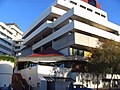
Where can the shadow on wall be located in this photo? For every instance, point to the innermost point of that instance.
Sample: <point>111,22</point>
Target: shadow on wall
<point>6,72</point>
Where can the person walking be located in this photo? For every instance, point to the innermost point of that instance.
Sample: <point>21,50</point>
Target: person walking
<point>10,87</point>
<point>5,87</point>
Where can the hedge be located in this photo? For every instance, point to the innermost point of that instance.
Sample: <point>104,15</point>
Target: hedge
<point>8,58</point>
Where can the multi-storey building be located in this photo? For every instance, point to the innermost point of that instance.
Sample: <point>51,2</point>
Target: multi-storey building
<point>10,43</point>
<point>9,35</point>
<point>70,27</point>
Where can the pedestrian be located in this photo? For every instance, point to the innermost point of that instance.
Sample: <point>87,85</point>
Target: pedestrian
<point>5,87</point>
<point>10,87</point>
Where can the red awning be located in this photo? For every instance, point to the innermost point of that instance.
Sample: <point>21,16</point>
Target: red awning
<point>47,52</point>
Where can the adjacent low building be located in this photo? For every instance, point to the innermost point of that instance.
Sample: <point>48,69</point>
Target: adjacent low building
<point>10,39</point>
<point>53,71</point>
<point>10,44</point>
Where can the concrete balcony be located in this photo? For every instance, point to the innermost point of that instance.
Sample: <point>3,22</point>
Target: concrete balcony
<point>54,35</point>
<point>87,17</point>
<point>77,26</point>
<point>46,26</point>
<point>6,39</point>
<point>5,32</point>
<point>50,12</point>
<point>5,51</point>
<point>6,27</point>
<point>5,45</point>
<point>75,39</point>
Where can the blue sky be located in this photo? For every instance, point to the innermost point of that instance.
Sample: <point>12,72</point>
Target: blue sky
<point>24,12</point>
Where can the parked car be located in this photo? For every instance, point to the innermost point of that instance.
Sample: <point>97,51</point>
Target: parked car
<point>80,87</point>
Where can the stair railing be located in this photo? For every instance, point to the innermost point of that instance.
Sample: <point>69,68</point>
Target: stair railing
<point>20,82</point>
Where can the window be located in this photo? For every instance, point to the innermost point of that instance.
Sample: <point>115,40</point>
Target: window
<point>71,52</point>
<point>97,13</point>
<point>76,52</point>
<point>2,27</point>
<point>103,15</point>
<point>10,32</point>
<point>17,42</point>
<point>1,33</point>
<point>17,47</point>
<point>89,9</point>
<point>73,2</point>
<point>82,6</point>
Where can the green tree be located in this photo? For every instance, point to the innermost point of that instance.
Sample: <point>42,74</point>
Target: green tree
<point>106,57</point>
<point>8,58</point>
<point>97,64</point>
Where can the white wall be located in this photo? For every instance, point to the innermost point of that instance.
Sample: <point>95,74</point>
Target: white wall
<point>6,72</point>
<point>85,40</point>
<point>54,71</point>
<point>36,78</point>
<point>45,70</point>
<point>30,72</point>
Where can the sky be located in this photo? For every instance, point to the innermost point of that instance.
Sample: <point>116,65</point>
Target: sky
<point>24,12</point>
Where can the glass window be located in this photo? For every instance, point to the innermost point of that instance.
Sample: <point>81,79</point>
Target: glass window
<point>71,51</point>
<point>81,53</point>
<point>89,9</point>
<point>17,47</point>
<point>76,52</point>
<point>73,2</point>
<point>82,6</point>
<point>3,28</point>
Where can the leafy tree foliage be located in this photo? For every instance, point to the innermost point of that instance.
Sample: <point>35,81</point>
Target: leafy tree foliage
<point>106,56</point>
<point>8,58</point>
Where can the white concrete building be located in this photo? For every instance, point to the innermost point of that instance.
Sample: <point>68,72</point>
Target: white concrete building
<point>69,26</point>
<point>9,34</point>
<point>10,44</point>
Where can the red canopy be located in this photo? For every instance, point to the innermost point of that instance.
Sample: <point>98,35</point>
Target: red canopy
<point>47,52</point>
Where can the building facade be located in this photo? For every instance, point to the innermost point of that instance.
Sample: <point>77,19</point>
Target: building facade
<point>10,38</point>
<point>70,27</point>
